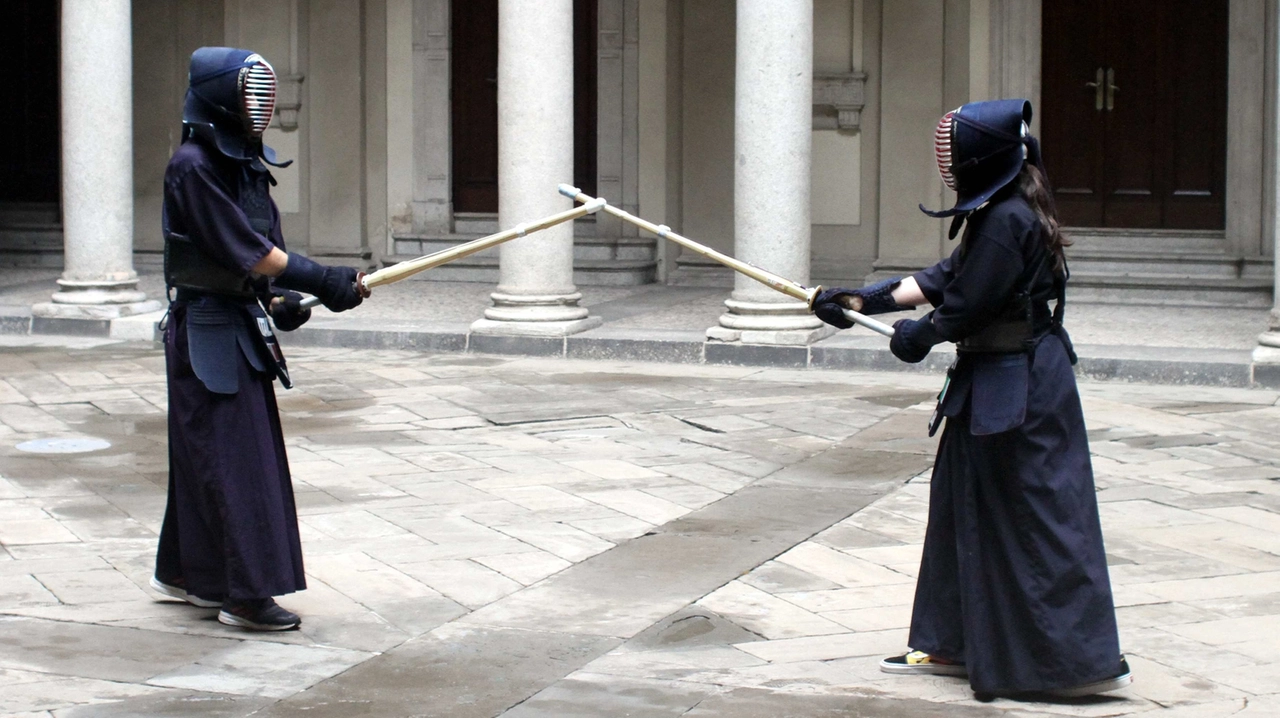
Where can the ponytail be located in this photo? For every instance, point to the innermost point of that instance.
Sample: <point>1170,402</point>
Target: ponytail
<point>1034,189</point>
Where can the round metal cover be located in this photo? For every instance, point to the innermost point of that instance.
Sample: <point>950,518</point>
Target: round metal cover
<point>63,446</point>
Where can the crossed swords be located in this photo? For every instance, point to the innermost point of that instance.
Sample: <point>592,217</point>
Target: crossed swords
<point>591,205</point>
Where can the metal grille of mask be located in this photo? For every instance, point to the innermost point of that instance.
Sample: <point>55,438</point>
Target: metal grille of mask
<point>258,86</point>
<point>942,147</point>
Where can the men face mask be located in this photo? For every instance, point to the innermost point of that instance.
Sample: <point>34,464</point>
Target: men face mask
<point>942,137</point>
<point>258,94</point>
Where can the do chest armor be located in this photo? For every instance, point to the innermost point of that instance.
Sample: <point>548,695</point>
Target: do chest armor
<point>187,267</point>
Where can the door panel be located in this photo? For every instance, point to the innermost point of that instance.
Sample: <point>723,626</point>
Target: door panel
<point>1070,112</point>
<point>1197,119</point>
<point>1154,155</point>
<point>30,152</point>
<point>1133,30</point>
<point>474,105</point>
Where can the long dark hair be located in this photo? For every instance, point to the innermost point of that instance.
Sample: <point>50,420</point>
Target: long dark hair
<point>1034,188</point>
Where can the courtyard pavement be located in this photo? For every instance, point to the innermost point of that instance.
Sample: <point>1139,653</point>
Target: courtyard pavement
<point>1205,345</point>
<point>538,538</point>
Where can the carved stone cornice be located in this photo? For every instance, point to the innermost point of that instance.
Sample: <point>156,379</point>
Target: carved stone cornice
<point>838,99</point>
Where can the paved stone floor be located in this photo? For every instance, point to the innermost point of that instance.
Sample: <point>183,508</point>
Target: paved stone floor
<point>422,304</point>
<point>534,538</point>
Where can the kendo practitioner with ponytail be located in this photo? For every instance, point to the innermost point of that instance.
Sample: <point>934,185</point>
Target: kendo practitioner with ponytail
<point>230,533</point>
<point>1013,588</point>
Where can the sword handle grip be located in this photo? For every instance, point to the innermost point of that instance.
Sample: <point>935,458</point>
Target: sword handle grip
<point>866,321</point>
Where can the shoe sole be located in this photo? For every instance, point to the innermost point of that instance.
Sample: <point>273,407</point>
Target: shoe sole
<point>1093,689</point>
<point>925,669</point>
<point>165,589</point>
<point>231,619</point>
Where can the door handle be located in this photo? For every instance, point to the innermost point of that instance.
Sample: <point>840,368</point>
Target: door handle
<point>1112,89</point>
<point>1098,89</point>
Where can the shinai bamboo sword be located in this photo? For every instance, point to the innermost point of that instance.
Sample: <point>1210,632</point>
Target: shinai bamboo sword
<point>767,278</point>
<point>396,272</point>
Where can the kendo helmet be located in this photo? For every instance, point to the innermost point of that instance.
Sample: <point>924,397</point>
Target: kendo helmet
<point>231,98</point>
<point>980,148</point>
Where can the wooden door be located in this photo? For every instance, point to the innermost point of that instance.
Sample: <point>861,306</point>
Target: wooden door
<point>474,105</point>
<point>1134,111</point>
<point>31,146</point>
<point>474,102</point>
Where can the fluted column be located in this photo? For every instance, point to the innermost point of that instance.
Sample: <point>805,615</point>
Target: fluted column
<point>773,121</point>
<point>98,281</point>
<point>535,293</point>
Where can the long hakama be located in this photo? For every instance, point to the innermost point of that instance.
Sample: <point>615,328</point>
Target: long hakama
<point>1014,577</point>
<point>1013,580</point>
<point>230,526</point>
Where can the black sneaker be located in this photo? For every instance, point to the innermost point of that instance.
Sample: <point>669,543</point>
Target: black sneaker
<point>920,663</point>
<point>174,589</point>
<point>1120,680</point>
<point>258,614</point>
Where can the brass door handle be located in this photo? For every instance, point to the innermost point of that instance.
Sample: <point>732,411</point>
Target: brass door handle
<point>1112,89</point>
<point>1097,90</point>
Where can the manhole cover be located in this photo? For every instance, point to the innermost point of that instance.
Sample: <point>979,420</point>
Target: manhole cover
<point>63,446</point>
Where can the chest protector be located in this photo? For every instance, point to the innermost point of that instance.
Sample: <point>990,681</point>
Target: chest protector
<point>186,266</point>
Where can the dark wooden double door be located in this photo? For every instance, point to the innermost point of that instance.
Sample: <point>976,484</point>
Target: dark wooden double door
<point>1134,111</point>
<point>30,135</point>
<point>474,101</point>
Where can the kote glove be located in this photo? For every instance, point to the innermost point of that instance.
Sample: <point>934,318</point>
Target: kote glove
<point>287,312</point>
<point>913,339</point>
<point>337,287</point>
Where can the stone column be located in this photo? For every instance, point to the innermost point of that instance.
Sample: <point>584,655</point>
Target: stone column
<point>98,281</point>
<point>773,127</point>
<point>536,294</point>
<point>1266,356</point>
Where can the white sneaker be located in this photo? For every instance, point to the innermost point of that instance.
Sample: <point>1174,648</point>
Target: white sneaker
<point>171,591</point>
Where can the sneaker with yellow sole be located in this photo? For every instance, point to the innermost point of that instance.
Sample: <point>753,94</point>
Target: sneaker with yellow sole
<point>922,664</point>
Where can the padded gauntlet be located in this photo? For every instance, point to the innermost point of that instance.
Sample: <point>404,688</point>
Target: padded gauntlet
<point>829,304</point>
<point>288,314</point>
<point>335,286</point>
<point>913,339</point>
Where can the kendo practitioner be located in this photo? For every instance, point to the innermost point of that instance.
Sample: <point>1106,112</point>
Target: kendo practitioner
<point>230,532</point>
<point>1013,588</point>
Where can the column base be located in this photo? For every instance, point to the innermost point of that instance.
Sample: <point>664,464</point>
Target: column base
<point>1268,349</point>
<point>1266,359</point>
<point>534,328</point>
<point>778,323</point>
<point>535,315</point>
<point>96,300</point>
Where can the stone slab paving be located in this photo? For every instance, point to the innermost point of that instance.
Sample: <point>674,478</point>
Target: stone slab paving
<point>498,536</point>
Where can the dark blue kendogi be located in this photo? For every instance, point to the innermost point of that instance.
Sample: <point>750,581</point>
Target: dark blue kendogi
<point>1013,585</point>
<point>230,531</point>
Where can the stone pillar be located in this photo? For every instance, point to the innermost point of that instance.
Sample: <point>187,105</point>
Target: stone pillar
<point>536,294</point>
<point>97,166</point>
<point>1266,356</point>
<point>773,123</point>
